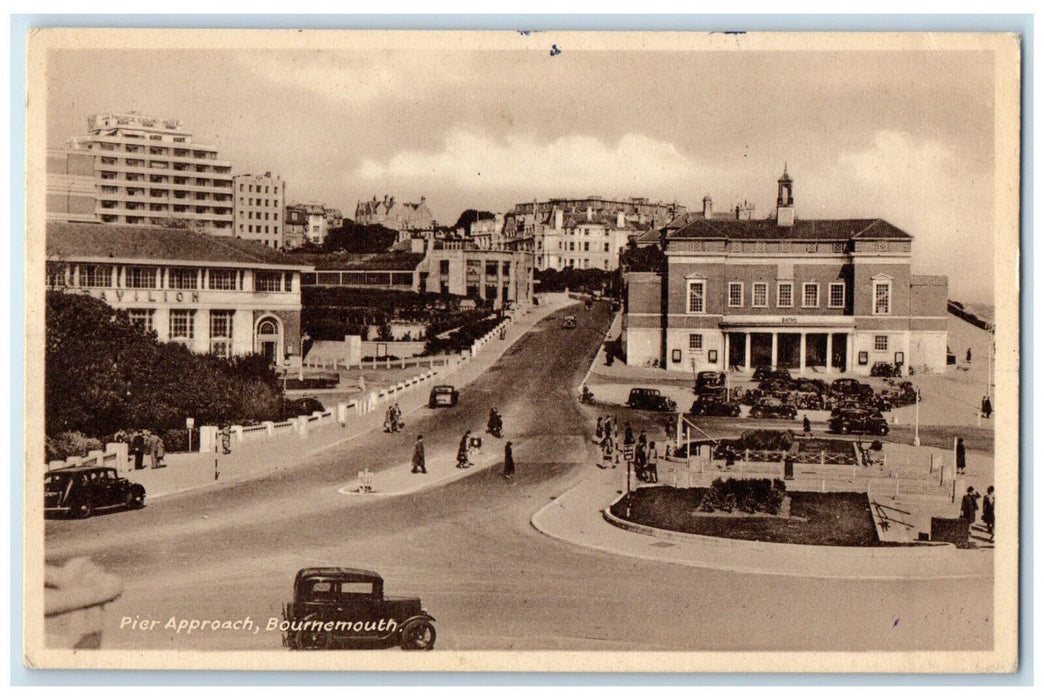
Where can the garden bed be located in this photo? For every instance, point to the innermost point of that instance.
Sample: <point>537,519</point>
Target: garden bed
<point>829,519</point>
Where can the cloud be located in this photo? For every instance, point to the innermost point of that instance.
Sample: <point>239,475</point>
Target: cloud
<point>573,165</point>
<point>896,158</point>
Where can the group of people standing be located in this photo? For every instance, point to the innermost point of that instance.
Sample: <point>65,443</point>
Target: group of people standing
<point>640,452</point>
<point>970,506</point>
<point>393,419</point>
<point>466,448</point>
<point>141,443</point>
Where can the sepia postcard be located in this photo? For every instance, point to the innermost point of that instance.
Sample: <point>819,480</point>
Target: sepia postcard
<point>522,351</point>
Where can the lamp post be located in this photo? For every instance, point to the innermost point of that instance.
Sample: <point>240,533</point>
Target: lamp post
<point>917,418</point>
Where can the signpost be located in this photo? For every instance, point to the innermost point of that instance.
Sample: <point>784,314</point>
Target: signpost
<point>189,424</point>
<point>917,418</point>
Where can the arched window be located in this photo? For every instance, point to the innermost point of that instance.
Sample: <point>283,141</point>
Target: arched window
<point>267,328</point>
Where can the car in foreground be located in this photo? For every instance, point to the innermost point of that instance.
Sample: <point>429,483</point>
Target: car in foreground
<point>650,400</point>
<point>81,491</point>
<point>772,407</point>
<point>443,395</point>
<point>712,405</point>
<point>340,608</point>
<point>859,422</point>
<point>569,322</point>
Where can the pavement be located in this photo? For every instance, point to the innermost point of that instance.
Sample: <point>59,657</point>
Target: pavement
<point>187,471</point>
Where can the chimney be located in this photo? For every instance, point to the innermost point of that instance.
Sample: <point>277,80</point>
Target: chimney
<point>558,219</point>
<point>708,207</point>
<point>619,219</point>
<point>588,212</point>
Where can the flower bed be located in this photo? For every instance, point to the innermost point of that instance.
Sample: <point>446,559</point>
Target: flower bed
<point>811,450</point>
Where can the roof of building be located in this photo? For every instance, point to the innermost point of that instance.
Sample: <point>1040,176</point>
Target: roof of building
<point>89,241</point>
<point>803,229</point>
<point>363,261</point>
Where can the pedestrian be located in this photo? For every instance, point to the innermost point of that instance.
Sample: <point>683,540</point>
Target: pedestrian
<point>806,424</point>
<point>138,449</point>
<point>967,356</point>
<point>961,457</point>
<point>642,439</point>
<point>989,504</point>
<point>155,446</point>
<point>969,505</point>
<point>389,420</point>
<point>628,435</point>
<point>608,425</point>
<point>987,407</point>
<point>509,462</point>
<point>396,418</point>
<point>418,456</point>
<point>640,461</point>
<point>462,451</point>
<point>598,430</point>
<point>652,459</point>
<point>226,440</point>
<point>608,450</point>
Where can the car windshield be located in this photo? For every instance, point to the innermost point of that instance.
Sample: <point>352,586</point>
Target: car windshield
<point>56,480</point>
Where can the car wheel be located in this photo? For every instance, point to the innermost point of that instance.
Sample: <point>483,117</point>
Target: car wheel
<point>313,640</point>
<point>418,635</point>
<point>844,430</point>
<point>883,430</point>
<point>135,499</point>
<point>83,509</point>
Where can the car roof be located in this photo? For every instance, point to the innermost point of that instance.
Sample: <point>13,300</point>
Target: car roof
<point>442,386</point>
<point>339,572</point>
<point>79,469</point>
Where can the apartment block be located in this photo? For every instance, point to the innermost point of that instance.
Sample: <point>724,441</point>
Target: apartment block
<point>260,205</point>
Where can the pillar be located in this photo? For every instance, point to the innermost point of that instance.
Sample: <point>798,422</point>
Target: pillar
<point>746,352</point>
<point>801,355</point>
<point>830,353</point>
<point>725,360</point>
<point>773,360</point>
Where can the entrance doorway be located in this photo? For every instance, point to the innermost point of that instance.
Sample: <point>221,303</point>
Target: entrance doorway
<point>267,339</point>
<point>839,350</point>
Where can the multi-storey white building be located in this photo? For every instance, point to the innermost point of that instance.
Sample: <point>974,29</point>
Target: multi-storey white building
<point>147,172</point>
<point>260,201</point>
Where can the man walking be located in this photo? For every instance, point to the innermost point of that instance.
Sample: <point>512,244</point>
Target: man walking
<point>138,449</point>
<point>961,457</point>
<point>989,504</point>
<point>806,424</point>
<point>969,505</point>
<point>418,456</point>
<point>987,407</point>
<point>509,462</point>
<point>462,451</point>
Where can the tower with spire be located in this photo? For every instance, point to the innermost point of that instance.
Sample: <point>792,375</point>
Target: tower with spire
<point>785,200</point>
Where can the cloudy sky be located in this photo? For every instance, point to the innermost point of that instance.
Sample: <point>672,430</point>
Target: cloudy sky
<point>904,135</point>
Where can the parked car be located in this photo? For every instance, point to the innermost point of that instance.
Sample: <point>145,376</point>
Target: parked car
<point>650,400</point>
<point>80,491</point>
<point>711,405</point>
<point>569,322</point>
<point>886,369</point>
<point>858,421</point>
<point>337,607</point>
<point>709,380</point>
<point>852,387</point>
<point>772,407</point>
<point>443,395</point>
<point>761,372</point>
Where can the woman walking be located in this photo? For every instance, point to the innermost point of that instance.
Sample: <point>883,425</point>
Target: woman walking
<point>509,462</point>
<point>989,503</point>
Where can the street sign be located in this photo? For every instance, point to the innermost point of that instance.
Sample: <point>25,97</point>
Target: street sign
<point>190,423</point>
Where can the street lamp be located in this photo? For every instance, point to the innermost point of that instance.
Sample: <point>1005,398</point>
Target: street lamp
<point>917,418</point>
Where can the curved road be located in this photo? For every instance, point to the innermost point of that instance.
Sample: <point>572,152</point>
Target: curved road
<point>467,548</point>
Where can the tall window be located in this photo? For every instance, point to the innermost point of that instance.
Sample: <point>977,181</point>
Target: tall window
<point>837,295</point>
<point>223,279</point>
<point>760,295</point>
<point>696,292</point>
<point>810,295</point>
<point>735,294</point>
<point>96,276</point>
<point>882,297</point>
<point>221,333</point>
<point>268,282</point>
<point>142,317</point>
<point>183,278</point>
<point>181,324</point>
<point>55,275</point>
<point>141,277</point>
<point>880,342</point>
<point>785,294</point>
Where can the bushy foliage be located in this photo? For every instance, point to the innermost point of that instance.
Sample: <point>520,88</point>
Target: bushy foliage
<point>104,373</point>
<point>647,259</point>
<point>360,238</point>
<point>460,339</point>
<point>470,216</point>
<point>330,313</point>
<point>578,280</point>
<point>747,495</point>
<point>70,444</point>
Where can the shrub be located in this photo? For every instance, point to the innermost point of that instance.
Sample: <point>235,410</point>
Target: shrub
<point>176,440</point>
<point>747,495</point>
<point>70,444</point>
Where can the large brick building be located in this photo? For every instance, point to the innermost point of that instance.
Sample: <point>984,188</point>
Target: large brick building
<point>830,295</point>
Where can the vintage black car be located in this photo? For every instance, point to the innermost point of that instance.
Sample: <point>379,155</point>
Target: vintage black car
<point>569,322</point>
<point>886,369</point>
<point>766,372</point>
<point>80,491</point>
<point>847,386</point>
<point>337,608</point>
<point>771,407</point>
<point>859,422</point>
<point>709,381</point>
<point>712,405</point>
<point>443,395</point>
<point>650,400</point>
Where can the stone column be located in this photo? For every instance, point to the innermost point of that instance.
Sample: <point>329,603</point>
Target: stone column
<point>774,360</point>
<point>725,360</point>
<point>746,351</point>
<point>830,353</point>
<point>801,355</point>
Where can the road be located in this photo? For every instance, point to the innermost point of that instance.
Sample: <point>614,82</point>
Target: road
<point>468,549</point>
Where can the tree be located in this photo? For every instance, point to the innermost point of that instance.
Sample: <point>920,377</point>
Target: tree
<point>470,216</point>
<point>358,238</point>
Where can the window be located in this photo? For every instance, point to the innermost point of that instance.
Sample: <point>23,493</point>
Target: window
<point>223,279</point>
<point>268,282</point>
<point>735,294</point>
<point>837,295</point>
<point>96,276</point>
<point>141,278</point>
<point>695,342</point>
<point>221,333</point>
<point>760,295</point>
<point>142,317</point>
<point>785,294</point>
<point>881,343</point>
<point>183,278</point>
<point>882,298</point>
<point>606,247</point>
<point>810,295</point>
<point>181,326</point>
<point>696,292</point>
<point>55,275</point>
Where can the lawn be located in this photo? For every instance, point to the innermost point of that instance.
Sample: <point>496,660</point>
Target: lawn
<point>832,519</point>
